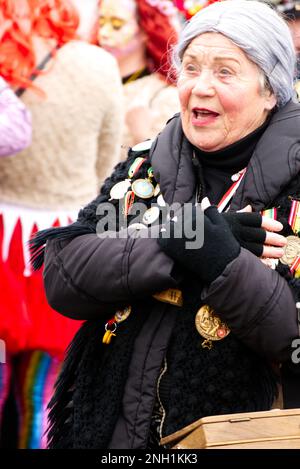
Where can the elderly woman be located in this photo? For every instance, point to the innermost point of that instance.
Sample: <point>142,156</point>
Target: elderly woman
<point>175,332</point>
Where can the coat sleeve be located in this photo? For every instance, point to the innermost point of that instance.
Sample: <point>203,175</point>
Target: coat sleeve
<point>90,277</point>
<point>257,304</point>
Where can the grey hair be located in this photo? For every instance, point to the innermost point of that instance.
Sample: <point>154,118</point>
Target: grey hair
<point>255,28</point>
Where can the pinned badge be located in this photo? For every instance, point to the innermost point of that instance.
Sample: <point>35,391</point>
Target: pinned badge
<point>143,146</point>
<point>210,326</point>
<point>123,314</point>
<point>172,295</point>
<point>291,250</point>
<point>119,190</point>
<point>143,188</point>
<point>161,201</point>
<point>151,215</point>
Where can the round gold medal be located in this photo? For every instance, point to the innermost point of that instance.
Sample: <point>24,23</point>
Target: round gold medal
<point>143,188</point>
<point>291,250</point>
<point>209,325</point>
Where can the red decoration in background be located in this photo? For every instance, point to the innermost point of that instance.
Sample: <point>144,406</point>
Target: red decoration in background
<point>190,7</point>
<point>19,22</point>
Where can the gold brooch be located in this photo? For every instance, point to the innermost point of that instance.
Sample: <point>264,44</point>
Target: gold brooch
<point>291,250</point>
<point>210,326</point>
<point>172,296</point>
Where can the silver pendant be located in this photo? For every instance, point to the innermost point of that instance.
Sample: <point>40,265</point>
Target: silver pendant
<point>151,215</point>
<point>161,201</point>
<point>143,146</point>
<point>119,190</point>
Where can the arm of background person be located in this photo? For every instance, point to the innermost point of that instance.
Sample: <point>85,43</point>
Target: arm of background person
<point>15,122</point>
<point>150,111</point>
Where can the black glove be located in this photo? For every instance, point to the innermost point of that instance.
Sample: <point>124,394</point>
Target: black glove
<point>219,248</point>
<point>246,228</point>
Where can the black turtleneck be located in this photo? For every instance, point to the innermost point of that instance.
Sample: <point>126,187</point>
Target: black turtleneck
<point>219,166</point>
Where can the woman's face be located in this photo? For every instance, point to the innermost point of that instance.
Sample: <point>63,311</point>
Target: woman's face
<point>118,31</point>
<point>220,93</point>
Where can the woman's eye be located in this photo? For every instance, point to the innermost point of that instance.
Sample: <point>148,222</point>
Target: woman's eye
<point>225,72</point>
<point>189,68</point>
<point>117,23</point>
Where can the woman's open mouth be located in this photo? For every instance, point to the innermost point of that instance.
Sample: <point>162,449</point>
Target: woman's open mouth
<point>203,116</point>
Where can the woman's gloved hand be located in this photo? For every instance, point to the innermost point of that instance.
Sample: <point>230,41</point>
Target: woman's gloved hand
<point>246,228</point>
<point>256,233</point>
<point>219,247</point>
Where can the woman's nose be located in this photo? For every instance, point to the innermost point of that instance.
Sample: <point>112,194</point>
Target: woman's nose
<point>204,84</point>
<point>105,30</point>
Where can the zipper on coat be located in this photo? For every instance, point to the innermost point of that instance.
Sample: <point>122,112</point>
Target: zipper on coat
<point>165,367</point>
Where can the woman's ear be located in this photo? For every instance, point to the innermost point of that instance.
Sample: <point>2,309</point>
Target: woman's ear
<point>271,100</point>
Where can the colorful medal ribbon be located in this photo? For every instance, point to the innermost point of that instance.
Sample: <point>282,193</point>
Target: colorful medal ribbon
<point>291,256</point>
<point>135,166</point>
<point>128,202</point>
<point>270,213</point>
<point>294,217</point>
<point>295,267</point>
<point>226,199</point>
<point>294,222</point>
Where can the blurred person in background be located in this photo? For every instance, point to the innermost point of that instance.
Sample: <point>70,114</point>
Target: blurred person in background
<point>188,8</point>
<point>140,34</point>
<point>87,10</point>
<point>292,13</point>
<point>74,92</point>
<point>290,10</point>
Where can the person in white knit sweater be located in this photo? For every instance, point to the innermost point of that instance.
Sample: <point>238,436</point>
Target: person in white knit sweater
<point>76,103</point>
